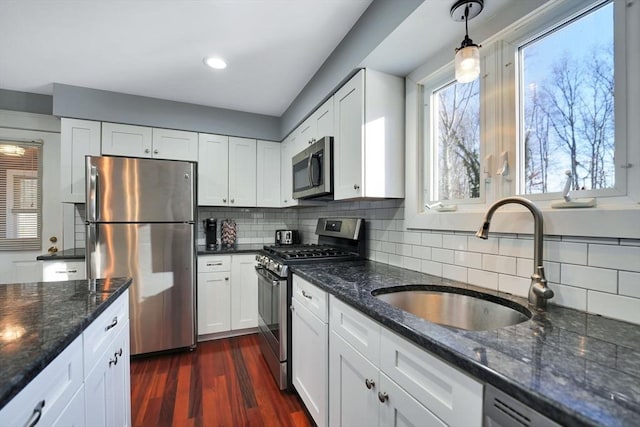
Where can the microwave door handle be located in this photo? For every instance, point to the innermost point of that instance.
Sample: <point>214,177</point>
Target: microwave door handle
<point>317,160</point>
<point>309,174</point>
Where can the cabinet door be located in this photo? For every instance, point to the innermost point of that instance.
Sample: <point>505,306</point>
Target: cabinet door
<point>268,174</point>
<point>213,170</point>
<point>399,409</point>
<point>323,118</point>
<point>126,140</point>
<point>213,303</point>
<point>242,172</point>
<point>348,141</point>
<point>244,292</point>
<point>78,138</point>
<point>286,179</point>
<point>306,134</point>
<point>175,145</point>
<point>73,414</point>
<point>119,387</point>
<point>310,361</point>
<point>353,400</point>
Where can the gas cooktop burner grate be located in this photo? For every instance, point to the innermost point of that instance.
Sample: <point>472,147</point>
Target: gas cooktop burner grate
<point>307,252</point>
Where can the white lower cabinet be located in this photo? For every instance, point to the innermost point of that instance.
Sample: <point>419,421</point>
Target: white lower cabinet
<point>309,352</point>
<point>227,293</point>
<point>56,271</point>
<point>88,384</point>
<point>378,378</point>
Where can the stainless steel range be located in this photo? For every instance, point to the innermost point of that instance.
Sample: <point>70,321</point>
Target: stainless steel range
<point>339,239</point>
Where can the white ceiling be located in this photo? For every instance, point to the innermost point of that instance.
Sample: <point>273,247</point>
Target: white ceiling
<point>155,48</point>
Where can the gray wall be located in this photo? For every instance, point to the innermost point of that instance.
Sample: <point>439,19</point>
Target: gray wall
<point>27,102</point>
<point>93,104</point>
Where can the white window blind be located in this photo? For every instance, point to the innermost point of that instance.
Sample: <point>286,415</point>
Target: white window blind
<point>20,195</point>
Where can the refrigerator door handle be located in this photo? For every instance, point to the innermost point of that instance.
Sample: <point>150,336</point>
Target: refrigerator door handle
<point>91,243</point>
<point>94,191</point>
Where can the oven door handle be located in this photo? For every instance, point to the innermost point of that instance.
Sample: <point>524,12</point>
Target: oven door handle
<point>262,272</point>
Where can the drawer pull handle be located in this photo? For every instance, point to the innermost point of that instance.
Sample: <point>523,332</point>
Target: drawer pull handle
<point>37,413</point>
<point>383,397</point>
<point>306,295</point>
<point>369,383</point>
<point>113,323</point>
<point>66,271</point>
<point>118,353</point>
<point>212,264</point>
<point>113,361</point>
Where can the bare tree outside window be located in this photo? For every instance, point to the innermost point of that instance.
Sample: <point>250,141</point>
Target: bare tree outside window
<point>567,90</point>
<point>456,171</point>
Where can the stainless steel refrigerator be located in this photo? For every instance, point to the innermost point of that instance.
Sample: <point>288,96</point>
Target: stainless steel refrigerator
<point>140,223</point>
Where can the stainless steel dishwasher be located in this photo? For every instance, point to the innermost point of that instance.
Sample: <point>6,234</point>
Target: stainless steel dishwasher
<point>502,410</point>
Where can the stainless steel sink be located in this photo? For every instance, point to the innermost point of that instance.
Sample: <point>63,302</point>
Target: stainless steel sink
<point>455,307</point>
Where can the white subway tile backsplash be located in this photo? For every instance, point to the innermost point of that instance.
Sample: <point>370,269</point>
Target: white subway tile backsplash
<point>403,249</point>
<point>453,241</point>
<point>618,257</point>
<point>396,236</point>
<point>488,246</point>
<point>412,238</point>
<point>442,255</point>
<point>388,247</point>
<point>514,285</point>
<point>484,279</point>
<point>524,267</point>
<point>382,257</point>
<point>431,267</point>
<point>411,263</point>
<point>468,259</point>
<point>573,253</point>
<point>395,260</point>
<point>629,284</point>
<point>598,279</point>
<point>569,296</point>
<point>423,252</point>
<point>499,264</point>
<point>432,239</point>
<point>615,306</point>
<point>454,272</point>
<point>521,248</point>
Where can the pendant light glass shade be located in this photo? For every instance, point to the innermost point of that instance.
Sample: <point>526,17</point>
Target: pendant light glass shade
<point>467,64</point>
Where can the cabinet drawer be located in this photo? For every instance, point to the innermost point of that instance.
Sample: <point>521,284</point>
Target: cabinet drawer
<point>55,386</point>
<point>356,329</point>
<point>313,298</point>
<point>209,264</point>
<point>450,394</point>
<point>104,329</point>
<point>55,271</point>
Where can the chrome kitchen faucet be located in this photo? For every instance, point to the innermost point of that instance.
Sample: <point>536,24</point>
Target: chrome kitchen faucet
<point>539,292</point>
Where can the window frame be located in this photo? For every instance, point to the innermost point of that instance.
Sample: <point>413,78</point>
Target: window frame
<point>499,69</point>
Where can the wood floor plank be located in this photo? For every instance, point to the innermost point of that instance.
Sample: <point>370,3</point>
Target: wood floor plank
<point>223,383</point>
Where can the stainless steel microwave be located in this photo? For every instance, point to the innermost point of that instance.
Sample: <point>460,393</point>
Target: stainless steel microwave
<point>313,170</point>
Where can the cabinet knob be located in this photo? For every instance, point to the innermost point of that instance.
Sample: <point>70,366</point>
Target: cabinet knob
<point>356,186</point>
<point>155,151</point>
<point>233,200</point>
<point>226,278</point>
<point>224,200</point>
<point>369,383</point>
<point>147,151</point>
<point>36,414</point>
<point>286,201</point>
<point>383,397</point>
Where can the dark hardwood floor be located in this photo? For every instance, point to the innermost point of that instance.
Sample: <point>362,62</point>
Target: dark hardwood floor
<point>222,383</point>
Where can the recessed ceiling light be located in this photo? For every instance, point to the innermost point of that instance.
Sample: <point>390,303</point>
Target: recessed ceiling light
<point>216,63</point>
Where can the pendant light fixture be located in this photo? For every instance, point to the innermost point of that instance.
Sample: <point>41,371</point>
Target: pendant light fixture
<point>468,54</point>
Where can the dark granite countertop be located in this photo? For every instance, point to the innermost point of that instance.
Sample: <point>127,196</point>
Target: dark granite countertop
<point>576,368</point>
<point>67,254</point>
<point>39,320</point>
<point>236,249</point>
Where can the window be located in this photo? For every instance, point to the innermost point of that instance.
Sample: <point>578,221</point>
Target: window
<point>566,85</point>
<point>20,195</point>
<point>556,104</point>
<point>455,137</point>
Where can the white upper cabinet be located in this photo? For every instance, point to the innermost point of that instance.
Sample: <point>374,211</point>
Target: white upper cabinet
<point>242,172</point>
<point>286,178</point>
<point>213,170</point>
<point>126,140</point>
<point>268,174</point>
<point>142,141</point>
<point>78,138</point>
<point>306,134</point>
<point>323,119</point>
<point>369,137</point>
<point>175,145</point>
